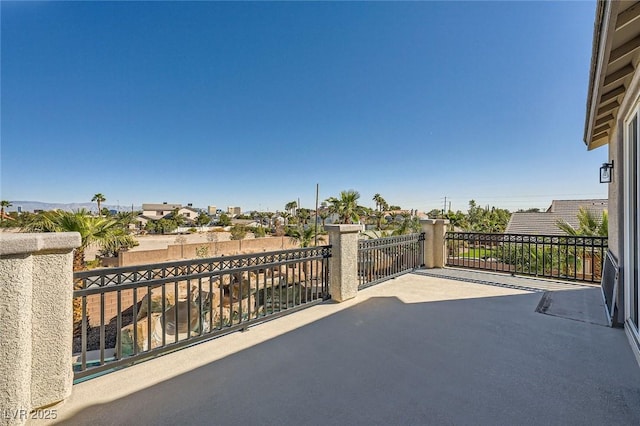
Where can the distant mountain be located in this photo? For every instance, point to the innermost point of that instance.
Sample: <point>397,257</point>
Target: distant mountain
<point>30,206</point>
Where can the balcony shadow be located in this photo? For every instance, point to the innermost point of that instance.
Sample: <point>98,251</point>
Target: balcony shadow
<point>490,360</point>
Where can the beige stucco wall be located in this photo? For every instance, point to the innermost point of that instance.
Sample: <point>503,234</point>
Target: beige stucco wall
<point>616,187</point>
<point>434,242</point>
<point>615,194</point>
<point>343,263</point>
<point>36,329</point>
<point>188,251</point>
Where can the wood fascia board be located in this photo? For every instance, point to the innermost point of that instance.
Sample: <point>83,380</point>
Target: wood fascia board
<point>605,40</point>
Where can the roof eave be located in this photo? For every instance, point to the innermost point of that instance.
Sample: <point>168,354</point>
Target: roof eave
<point>598,54</point>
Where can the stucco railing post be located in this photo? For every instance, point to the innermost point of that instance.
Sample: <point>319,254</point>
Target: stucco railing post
<point>36,321</point>
<point>343,263</point>
<point>434,242</point>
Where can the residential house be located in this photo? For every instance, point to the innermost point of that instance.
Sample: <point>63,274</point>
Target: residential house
<point>545,223</point>
<point>158,211</point>
<point>613,120</point>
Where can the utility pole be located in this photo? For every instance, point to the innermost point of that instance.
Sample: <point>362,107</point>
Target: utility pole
<point>316,221</point>
<point>445,206</point>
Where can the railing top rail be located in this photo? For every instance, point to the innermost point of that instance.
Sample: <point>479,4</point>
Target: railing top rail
<point>282,255</point>
<point>454,234</point>
<point>521,234</point>
<point>393,238</point>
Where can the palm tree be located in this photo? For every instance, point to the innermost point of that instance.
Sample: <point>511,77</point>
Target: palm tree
<point>381,204</point>
<point>376,199</point>
<point>291,206</point>
<point>379,218</point>
<point>407,224</point>
<point>305,236</point>
<point>346,206</point>
<point>285,216</point>
<point>4,204</point>
<point>99,198</point>
<point>269,216</point>
<point>106,232</point>
<point>126,218</point>
<point>92,230</point>
<point>589,225</point>
<point>178,218</point>
<point>323,214</point>
<point>304,215</point>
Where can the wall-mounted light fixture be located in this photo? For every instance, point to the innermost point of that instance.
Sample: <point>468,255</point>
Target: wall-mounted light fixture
<point>606,172</point>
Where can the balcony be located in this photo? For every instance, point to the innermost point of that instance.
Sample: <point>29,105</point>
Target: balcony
<point>416,349</point>
<point>398,343</point>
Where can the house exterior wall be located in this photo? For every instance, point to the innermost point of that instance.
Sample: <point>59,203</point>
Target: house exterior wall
<point>628,106</point>
<point>615,193</point>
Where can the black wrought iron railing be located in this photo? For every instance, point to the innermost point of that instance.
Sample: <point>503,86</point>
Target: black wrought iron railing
<point>564,257</point>
<point>381,259</point>
<point>123,315</point>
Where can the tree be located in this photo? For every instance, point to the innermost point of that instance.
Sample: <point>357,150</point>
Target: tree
<point>381,204</point>
<point>178,218</point>
<point>151,226</point>
<point>304,215</point>
<point>269,216</point>
<point>203,219</point>
<point>291,206</point>
<point>380,220</point>
<point>165,225</point>
<point>116,242</point>
<point>99,198</point>
<point>323,214</point>
<point>491,220</point>
<point>406,224</point>
<point>434,214</point>
<point>126,219</point>
<point>4,204</point>
<point>224,220</point>
<point>305,236</point>
<point>346,207</point>
<point>259,232</point>
<point>92,229</point>
<point>238,232</point>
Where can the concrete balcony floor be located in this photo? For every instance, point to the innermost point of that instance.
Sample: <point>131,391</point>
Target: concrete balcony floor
<point>414,350</point>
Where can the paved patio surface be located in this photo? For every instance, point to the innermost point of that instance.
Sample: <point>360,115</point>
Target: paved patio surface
<point>414,350</point>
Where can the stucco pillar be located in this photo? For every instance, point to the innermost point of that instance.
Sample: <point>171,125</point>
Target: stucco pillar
<point>343,263</point>
<point>36,321</point>
<point>434,242</point>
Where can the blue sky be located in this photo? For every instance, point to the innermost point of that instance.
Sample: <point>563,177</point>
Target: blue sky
<point>252,104</point>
